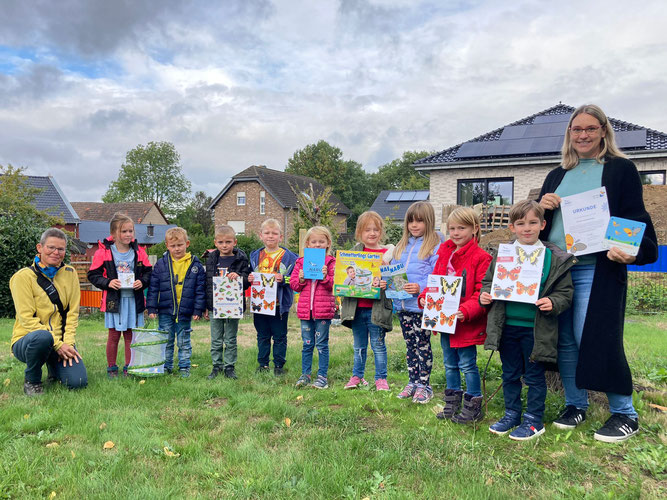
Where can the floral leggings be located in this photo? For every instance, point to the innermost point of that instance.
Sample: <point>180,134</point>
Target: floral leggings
<point>418,342</point>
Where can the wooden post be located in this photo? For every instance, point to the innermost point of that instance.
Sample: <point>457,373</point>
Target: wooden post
<point>302,241</point>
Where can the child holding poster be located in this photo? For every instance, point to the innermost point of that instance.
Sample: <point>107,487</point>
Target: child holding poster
<point>231,262</point>
<point>417,251</point>
<point>525,334</point>
<point>316,307</point>
<point>461,256</point>
<point>369,317</point>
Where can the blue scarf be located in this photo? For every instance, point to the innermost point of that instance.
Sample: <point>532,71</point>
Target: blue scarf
<point>48,271</point>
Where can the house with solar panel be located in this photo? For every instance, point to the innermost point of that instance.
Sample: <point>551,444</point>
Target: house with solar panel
<point>392,205</point>
<point>504,165</point>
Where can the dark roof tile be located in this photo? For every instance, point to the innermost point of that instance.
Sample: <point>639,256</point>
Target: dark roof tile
<point>137,211</point>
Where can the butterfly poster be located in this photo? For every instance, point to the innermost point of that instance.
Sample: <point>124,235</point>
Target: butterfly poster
<point>396,279</point>
<point>443,294</point>
<point>585,220</point>
<point>518,273</point>
<point>263,294</point>
<point>624,234</point>
<point>357,274</point>
<point>313,262</point>
<point>227,297</point>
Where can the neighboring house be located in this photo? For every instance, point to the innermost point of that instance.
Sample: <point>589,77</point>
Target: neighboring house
<point>392,205</point>
<point>259,193</point>
<point>502,166</point>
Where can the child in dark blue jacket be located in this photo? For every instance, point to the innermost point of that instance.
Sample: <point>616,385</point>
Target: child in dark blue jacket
<point>177,294</point>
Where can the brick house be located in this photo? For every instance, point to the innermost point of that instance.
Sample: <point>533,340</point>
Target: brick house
<point>259,193</point>
<point>504,165</point>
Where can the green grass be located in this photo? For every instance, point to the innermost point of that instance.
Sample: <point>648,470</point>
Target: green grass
<point>232,439</point>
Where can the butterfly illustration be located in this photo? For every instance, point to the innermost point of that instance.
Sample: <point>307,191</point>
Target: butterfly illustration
<point>504,273</point>
<point>268,281</point>
<point>615,223</point>
<point>573,246</point>
<point>437,304</point>
<point>531,257</point>
<point>447,319</point>
<point>258,293</point>
<point>505,292</point>
<point>256,306</point>
<point>452,288</point>
<point>430,322</point>
<point>269,305</point>
<point>632,232</point>
<point>530,289</point>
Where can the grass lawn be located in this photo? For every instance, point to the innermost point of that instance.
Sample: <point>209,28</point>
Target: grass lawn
<point>195,438</point>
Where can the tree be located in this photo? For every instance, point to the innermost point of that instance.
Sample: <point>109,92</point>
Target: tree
<point>313,210</point>
<point>151,173</point>
<point>196,218</point>
<point>400,175</point>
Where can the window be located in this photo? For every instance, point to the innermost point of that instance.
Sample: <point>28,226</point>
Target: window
<point>150,230</point>
<point>653,177</point>
<point>262,202</point>
<point>240,198</point>
<point>237,225</point>
<point>488,191</point>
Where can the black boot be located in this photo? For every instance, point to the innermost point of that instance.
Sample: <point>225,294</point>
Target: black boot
<point>472,410</point>
<point>452,404</point>
<point>230,373</point>
<point>214,373</point>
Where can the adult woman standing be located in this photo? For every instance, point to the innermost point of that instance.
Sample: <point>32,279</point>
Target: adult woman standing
<point>590,345</point>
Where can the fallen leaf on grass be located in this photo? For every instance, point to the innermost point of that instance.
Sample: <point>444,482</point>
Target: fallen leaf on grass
<point>194,366</point>
<point>6,382</point>
<point>662,409</point>
<point>299,398</point>
<point>108,445</point>
<point>142,382</point>
<point>52,495</point>
<point>170,453</point>
<point>52,445</point>
<point>288,421</point>
<point>103,426</point>
<point>26,416</point>
<point>73,454</point>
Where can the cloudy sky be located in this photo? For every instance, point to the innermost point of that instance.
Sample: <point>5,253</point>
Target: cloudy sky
<point>237,83</point>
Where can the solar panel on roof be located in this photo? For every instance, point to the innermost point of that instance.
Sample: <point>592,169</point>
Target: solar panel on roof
<point>513,132</point>
<point>631,138</point>
<point>408,196</point>
<point>469,149</point>
<point>552,118</point>
<point>421,195</point>
<point>395,196</point>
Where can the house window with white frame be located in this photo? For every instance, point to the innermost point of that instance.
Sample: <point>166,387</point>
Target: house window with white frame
<point>487,191</point>
<point>262,202</point>
<point>652,177</point>
<point>240,198</point>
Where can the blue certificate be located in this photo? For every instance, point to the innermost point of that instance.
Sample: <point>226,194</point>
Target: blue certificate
<point>313,262</point>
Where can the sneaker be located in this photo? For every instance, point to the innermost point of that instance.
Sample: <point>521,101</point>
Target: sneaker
<point>31,389</point>
<point>408,391</point>
<point>112,371</point>
<point>423,394</point>
<point>570,418</point>
<point>279,370</point>
<point>303,381</point>
<point>214,373</point>
<point>529,429</point>
<point>321,383</point>
<point>125,374</point>
<point>354,382</point>
<point>381,384</point>
<point>185,372</point>
<point>230,373</point>
<point>617,428</point>
<point>262,369</point>
<point>508,422</point>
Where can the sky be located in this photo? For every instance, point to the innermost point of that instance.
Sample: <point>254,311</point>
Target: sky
<point>249,82</point>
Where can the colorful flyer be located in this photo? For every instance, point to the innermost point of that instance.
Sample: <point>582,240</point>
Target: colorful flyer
<point>263,294</point>
<point>518,272</point>
<point>227,297</point>
<point>624,234</point>
<point>357,274</point>
<point>585,220</point>
<point>396,278</point>
<point>313,262</point>
<point>126,280</point>
<point>443,294</point>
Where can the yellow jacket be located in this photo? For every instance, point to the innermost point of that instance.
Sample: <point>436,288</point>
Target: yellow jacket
<point>34,310</point>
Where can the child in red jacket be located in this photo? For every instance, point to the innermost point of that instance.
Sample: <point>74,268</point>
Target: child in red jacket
<point>462,256</point>
<point>315,309</point>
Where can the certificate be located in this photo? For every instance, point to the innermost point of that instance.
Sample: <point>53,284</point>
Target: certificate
<point>443,294</point>
<point>518,273</point>
<point>585,220</point>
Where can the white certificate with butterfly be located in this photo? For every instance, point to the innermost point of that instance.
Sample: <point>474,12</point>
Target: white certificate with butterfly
<point>585,220</point>
<point>227,298</point>
<point>443,294</point>
<point>263,294</point>
<point>518,272</point>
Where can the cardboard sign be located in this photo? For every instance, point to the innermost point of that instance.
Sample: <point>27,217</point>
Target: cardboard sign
<point>518,273</point>
<point>227,298</point>
<point>357,274</point>
<point>396,279</point>
<point>263,294</point>
<point>624,234</point>
<point>443,294</point>
<point>313,262</point>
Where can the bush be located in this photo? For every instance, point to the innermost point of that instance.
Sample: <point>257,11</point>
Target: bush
<point>647,292</point>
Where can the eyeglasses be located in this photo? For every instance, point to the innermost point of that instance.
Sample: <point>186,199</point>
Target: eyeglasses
<point>52,249</point>
<point>588,130</point>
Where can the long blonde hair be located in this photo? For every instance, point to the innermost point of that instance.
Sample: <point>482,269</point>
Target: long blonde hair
<point>608,145</point>
<point>322,231</point>
<point>468,217</point>
<point>421,211</point>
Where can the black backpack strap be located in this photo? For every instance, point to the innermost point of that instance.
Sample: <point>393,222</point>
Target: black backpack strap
<point>50,290</point>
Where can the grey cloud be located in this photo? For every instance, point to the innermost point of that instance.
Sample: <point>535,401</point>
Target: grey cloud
<point>37,81</point>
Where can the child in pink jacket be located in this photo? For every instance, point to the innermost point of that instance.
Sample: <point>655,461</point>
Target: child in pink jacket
<point>315,308</point>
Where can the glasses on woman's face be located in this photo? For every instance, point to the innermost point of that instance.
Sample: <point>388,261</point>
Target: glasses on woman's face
<point>52,249</point>
<point>589,130</point>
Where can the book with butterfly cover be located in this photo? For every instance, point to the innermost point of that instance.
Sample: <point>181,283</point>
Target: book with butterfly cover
<point>443,295</point>
<point>518,272</point>
<point>263,294</point>
<point>313,262</point>
<point>396,279</point>
<point>624,234</point>
<point>357,274</point>
<point>585,220</point>
<point>227,297</point>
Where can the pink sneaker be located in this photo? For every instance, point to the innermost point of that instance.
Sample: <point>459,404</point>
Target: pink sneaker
<point>355,382</point>
<point>381,384</point>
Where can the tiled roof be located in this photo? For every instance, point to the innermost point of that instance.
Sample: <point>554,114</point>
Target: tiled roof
<point>51,199</point>
<point>655,140</point>
<point>278,184</point>
<point>92,231</point>
<point>394,210</point>
<point>89,210</point>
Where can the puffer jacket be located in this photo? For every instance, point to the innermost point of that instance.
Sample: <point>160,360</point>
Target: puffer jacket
<point>285,294</point>
<point>103,270</point>
<point>417,270</point>
<point>161,298</point>
<point>324,302</point>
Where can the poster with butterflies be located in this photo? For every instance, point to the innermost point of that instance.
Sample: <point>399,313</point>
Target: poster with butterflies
<point>443,294</point>
<point>518,273</point>
<point>263,294</point>
<point>585,220</point>
<point>227,298</point>
<point>624,234</point>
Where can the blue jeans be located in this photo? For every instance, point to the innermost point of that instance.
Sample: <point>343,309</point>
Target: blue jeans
<point>570,330</point>
<point>179,331</point>
<point>271,327</point>
<point>461,359</point>
<point>36,350</point>
<point>315,333</point>
<point>362,328</point>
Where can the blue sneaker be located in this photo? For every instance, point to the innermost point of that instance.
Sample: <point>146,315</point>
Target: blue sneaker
<point>508,422</point>
<point>530,428</point>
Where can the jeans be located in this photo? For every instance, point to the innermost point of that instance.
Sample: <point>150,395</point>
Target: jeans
<point>516,345</point>
<point>418,353</point>
<point>461,359</point>
<point>315,334</point>
<point>570,331</point>
<point>179,331</point>
<point>223,335</point>
<point>362,328</point>
<point>36,350</point>
<point>267,327</point>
